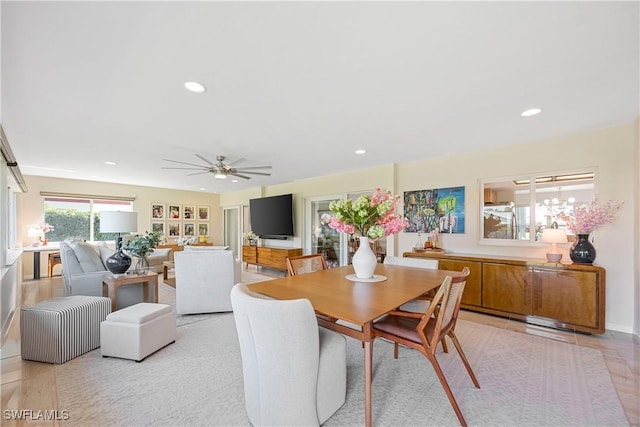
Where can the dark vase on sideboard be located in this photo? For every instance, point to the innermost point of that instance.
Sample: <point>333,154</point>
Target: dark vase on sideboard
<point>582,251</point>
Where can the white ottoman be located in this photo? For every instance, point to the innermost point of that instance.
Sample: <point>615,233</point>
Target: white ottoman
<point>137,331</point>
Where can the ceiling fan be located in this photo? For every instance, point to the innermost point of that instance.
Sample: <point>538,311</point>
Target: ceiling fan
<point>220,170</point>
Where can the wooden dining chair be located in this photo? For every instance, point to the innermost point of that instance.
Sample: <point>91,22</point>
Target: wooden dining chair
<point>422,332</point>
<point>54,259</point>
<point>305,264</point>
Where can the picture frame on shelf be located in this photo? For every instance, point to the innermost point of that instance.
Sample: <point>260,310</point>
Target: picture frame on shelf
<point>203,213</point>
<point>174,229</point>
<point>189,213</point>
<point>157,211</point>
<point>203,229</point>
<point>173,212</point>
<point>189,229</point>
<point>158,227</point>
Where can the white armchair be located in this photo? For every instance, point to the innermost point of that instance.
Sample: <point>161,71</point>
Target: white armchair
<point>295,373</point>
<point>204,280</point>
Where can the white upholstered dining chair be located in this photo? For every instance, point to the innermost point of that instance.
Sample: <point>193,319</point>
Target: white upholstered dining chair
<point>294,372</point>
<point>417,305</point>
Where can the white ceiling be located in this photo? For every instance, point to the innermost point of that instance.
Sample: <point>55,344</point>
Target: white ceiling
<point>301,85</point>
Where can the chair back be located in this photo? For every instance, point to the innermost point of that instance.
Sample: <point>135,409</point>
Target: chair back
<point>305,264</point>
<point>431,264</point>
<point>442,313</point>
<point>279,346</point>
<point>204,280</point>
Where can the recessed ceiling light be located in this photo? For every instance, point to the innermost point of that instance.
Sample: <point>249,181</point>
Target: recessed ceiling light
<point>220,176</point>
<point>202,188</point>
<point>195,87</point>
<point>234,180</point>
<point>110,163</point>
<point>531,112</point>
<point>360,151</point>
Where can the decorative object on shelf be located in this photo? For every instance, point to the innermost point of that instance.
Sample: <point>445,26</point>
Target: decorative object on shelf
<point>186,241</point>
<point>141,246</point>
<point>370,217</point>
<point>583,221</point>
<point>251,237</point>
<point>554,236</point>
<point>118,222</point>
<point>582,251</point>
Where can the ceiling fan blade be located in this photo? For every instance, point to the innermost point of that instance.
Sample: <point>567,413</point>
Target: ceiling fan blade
<point>251,173</point>
<point>240,160</point>
<point>197,173</point>
<point>240,176</point>
<point>201,168</point>
<point>255,167</point>
<point>185,163</point>
<point>204,160</point>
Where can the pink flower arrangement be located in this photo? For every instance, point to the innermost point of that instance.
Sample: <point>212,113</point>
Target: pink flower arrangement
<point>369,216</point>
<point>586,218</point>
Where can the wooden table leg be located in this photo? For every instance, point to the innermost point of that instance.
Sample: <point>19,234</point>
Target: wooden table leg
<point>368,372</point>
<point>111,293</point>
<point>154,282</point>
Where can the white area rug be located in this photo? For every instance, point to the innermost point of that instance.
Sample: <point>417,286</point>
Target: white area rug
<point>197,381</point>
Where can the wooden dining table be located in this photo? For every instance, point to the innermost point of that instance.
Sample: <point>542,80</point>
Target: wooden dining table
<point>357,302</point>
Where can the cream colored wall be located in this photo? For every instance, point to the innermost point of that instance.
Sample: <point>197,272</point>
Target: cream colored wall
<point>30,205</point>
<point>612,152</point>
<point>356,181</point>
<point>636,233</point>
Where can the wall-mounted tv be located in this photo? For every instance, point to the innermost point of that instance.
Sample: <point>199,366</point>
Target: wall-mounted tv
<point>272,217</point>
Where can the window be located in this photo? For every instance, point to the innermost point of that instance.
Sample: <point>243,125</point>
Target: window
<point>79,218</point>
<point>520,208</point>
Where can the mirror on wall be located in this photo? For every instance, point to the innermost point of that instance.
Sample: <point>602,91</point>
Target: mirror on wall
<point>520,208</point>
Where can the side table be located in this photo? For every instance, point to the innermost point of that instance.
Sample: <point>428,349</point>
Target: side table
<point>112,283</point>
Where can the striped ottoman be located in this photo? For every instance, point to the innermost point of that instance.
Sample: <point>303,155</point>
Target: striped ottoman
<point>59,329</point>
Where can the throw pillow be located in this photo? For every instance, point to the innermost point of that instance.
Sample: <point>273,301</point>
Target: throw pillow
<point>87,256</point>
<point>161,253</point>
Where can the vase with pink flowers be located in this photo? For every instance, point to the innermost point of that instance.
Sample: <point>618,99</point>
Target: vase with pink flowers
<point>368,217</point>
<point>583,221</point>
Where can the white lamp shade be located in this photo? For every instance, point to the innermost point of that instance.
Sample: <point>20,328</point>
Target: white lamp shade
<point>554,235</point>
<point>118,222</point>
<point>35,232</point>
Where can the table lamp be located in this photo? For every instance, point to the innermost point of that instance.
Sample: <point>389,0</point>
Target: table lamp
<point>554,236</point>
<point>36,233</point>
<point>118,222</point>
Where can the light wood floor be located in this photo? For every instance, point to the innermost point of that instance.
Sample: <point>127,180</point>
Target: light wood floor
<point>32,385</point>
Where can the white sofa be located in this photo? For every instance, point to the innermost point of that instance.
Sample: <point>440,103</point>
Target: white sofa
<point>83,271</point>
<point>204,279</point>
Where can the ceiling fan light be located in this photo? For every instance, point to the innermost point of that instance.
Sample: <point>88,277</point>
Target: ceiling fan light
<point>219,175</point>
<point>195,87</point>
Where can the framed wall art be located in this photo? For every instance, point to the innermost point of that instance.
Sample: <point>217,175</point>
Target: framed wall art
<point>189,229</point>
<point>157,211</point>
<point>173,212</point>
<point>189,213</point>
<point>439,208</point>
<point>203,229</point>
<point>157,227</point>
<point>203,213</point>
<point>174,229</point>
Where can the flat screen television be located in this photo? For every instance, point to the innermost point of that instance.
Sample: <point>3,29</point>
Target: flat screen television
<point>272,217</point>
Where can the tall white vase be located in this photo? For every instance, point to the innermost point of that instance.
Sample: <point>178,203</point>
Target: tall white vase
<point>364,260</point>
